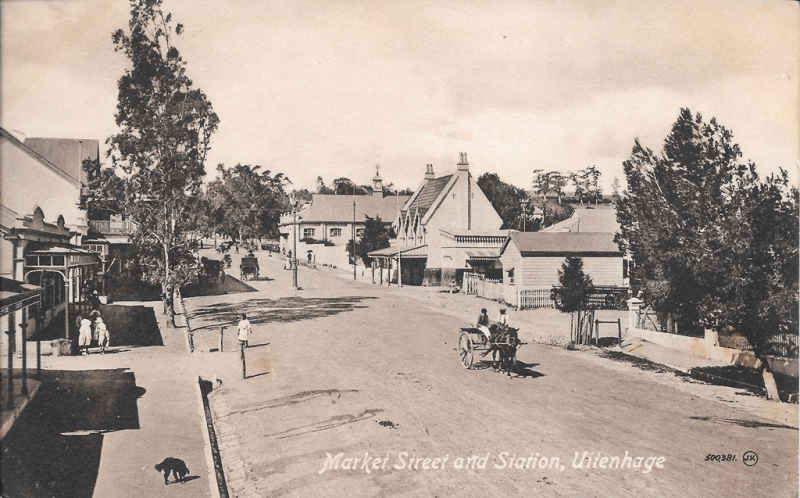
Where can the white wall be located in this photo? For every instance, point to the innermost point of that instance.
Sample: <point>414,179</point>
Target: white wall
<point>542,271</point>
<point>26,183</point>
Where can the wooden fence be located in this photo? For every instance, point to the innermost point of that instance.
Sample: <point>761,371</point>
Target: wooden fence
<point>519,297</point>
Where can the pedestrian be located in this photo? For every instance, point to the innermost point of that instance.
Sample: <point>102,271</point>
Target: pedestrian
<point>103,337</point>
<point>504,320</point>
<point>85,335</point>
<point>245,329</point>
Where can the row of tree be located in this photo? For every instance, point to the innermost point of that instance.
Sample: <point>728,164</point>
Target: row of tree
<point>713,242</point>
<point>518,209</point>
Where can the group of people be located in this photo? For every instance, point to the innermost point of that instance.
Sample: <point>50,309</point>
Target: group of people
<point>484,324</point>
<point>92,327</point>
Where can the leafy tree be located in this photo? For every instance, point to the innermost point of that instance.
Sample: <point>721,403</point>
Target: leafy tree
<point>248,202</point>
<point>507,200</point>
<point>592,183</point>
<point>303,195</point>
<point>165,128</point>
<point>322,188</point>
<point>376,236</point>
<point>105,193</point>
<point>713,243</point>
<point>572,297</point>
<point>346,186</point>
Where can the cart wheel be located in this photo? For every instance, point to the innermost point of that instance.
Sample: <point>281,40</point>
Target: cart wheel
<point>465,350</point>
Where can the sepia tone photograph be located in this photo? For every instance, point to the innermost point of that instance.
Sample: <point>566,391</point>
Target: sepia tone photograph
<point>399,248</point>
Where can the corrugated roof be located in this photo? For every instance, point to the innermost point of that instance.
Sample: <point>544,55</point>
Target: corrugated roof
<point>405,253</point>
<point>483,253</point>
<point>339,208</point>
<point>429,192</point>
<point>67,154</point>
<point>564,242</point>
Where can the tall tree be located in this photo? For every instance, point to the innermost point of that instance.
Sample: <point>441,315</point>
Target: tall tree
<point>250,201</point>
<point>165,128</point>
<point>712,242</point>
<point>592,183</point>
<point>376,236</point>
<point>321,188</point>
<point>507,200</point>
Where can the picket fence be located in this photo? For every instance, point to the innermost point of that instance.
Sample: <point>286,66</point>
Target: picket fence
<point>516,296</point>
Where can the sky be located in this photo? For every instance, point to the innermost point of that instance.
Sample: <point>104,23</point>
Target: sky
<point>334,87</point>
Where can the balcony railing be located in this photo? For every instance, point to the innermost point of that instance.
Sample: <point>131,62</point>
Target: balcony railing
<point>112,227</point>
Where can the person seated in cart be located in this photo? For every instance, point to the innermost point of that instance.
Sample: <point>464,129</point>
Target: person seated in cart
<point>483,324</point>
<point>503,320</point>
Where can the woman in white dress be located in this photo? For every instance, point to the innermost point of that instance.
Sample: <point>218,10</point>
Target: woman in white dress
<point>85,335</point>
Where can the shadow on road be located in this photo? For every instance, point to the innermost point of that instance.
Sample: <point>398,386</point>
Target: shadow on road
<point>752,424</point>
<point>54,447</point>
<point>228,285</point>
<point>285,309</point>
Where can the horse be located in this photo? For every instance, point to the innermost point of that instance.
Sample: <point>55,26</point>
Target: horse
<point>506,346</point>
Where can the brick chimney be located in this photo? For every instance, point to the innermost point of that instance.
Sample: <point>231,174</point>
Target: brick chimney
<point>429,172</point>
<point>377,183</point>
<point>463,164</point>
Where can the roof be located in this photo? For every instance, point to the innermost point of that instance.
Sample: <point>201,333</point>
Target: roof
<point>339,208</point>
<point>405,253</point>
<point>67,154</point>
<point>59,250</point>
<point>428,193</point>
<point>564,243</point>
<point>12,291</point>
<point>483,254</point>
<point>589,219</point>
<point>36,155</point>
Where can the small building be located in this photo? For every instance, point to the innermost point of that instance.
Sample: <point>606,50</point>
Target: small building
<point>324,227</point>
<point>533,259</point>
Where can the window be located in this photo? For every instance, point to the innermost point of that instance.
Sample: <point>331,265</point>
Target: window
<point>511,276</point>
<point>58,260</point>
<point>336,232</point>
<point>31,260</point>
<point>308,233</point>
<point>45,261</point>
<point>359,232</point>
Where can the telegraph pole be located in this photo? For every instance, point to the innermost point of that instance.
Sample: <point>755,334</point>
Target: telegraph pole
<point>354,231</point>
<point>293,261</point>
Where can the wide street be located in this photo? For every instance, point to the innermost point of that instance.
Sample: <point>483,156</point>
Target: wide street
<point>343,372</point>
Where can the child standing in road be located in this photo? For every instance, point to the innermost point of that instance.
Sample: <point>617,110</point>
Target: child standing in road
<point>102,334</point>
<point>245,329</point>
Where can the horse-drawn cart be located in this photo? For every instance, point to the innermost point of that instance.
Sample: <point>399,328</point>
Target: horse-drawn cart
<point>504,341</point>
<point>249,268</point>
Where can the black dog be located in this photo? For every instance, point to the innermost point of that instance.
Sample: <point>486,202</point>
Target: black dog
<point>176,466</point>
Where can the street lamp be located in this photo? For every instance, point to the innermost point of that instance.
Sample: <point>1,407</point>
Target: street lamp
<point>354,231</point>
<point>524,205</point>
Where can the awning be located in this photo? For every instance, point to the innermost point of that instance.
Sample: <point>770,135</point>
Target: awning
<point>419,252</point>
<point>60,256</point>
<point>483,254</point>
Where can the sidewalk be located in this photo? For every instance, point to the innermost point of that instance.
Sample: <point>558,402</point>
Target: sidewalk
<point>101,423</point>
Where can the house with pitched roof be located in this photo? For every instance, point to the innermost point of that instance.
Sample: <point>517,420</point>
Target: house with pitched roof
<point>325,226</point>
<point>448,227</point>
<point>533,259</point>
<point>41,226</point>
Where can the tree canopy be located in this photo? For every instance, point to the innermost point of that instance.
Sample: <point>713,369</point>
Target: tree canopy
<point>507,200</point>
<point>713,242</point>
<point>165,128</point>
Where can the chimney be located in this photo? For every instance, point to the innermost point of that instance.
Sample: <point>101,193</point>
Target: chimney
<point>429,172</point>
<point>377,183</point>
<point>463,164</point>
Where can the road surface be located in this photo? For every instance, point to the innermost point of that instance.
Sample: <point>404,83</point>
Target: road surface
<point>342,373</point>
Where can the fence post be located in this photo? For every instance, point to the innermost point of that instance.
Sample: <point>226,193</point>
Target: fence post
<point>221,338</point>
<point>244,365</point>
<point>10,368</point>
<point>24,326</point>
<point>619,330</point>
<point>519,299</point>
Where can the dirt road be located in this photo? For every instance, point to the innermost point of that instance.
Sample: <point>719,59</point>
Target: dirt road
<point>343,373</point>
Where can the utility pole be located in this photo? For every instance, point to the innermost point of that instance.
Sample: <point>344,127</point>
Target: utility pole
<point>354,231</point>
<point>293,260</point>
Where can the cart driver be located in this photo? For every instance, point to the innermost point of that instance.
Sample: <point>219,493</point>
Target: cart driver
<point>483,324</point>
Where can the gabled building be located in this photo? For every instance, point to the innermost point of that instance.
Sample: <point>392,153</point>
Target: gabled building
<point>446,228</point>
<point>331,220</point>
<point>42,225</point>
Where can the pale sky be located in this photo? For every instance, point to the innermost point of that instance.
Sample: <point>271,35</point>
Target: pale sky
<point>333,87</point>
